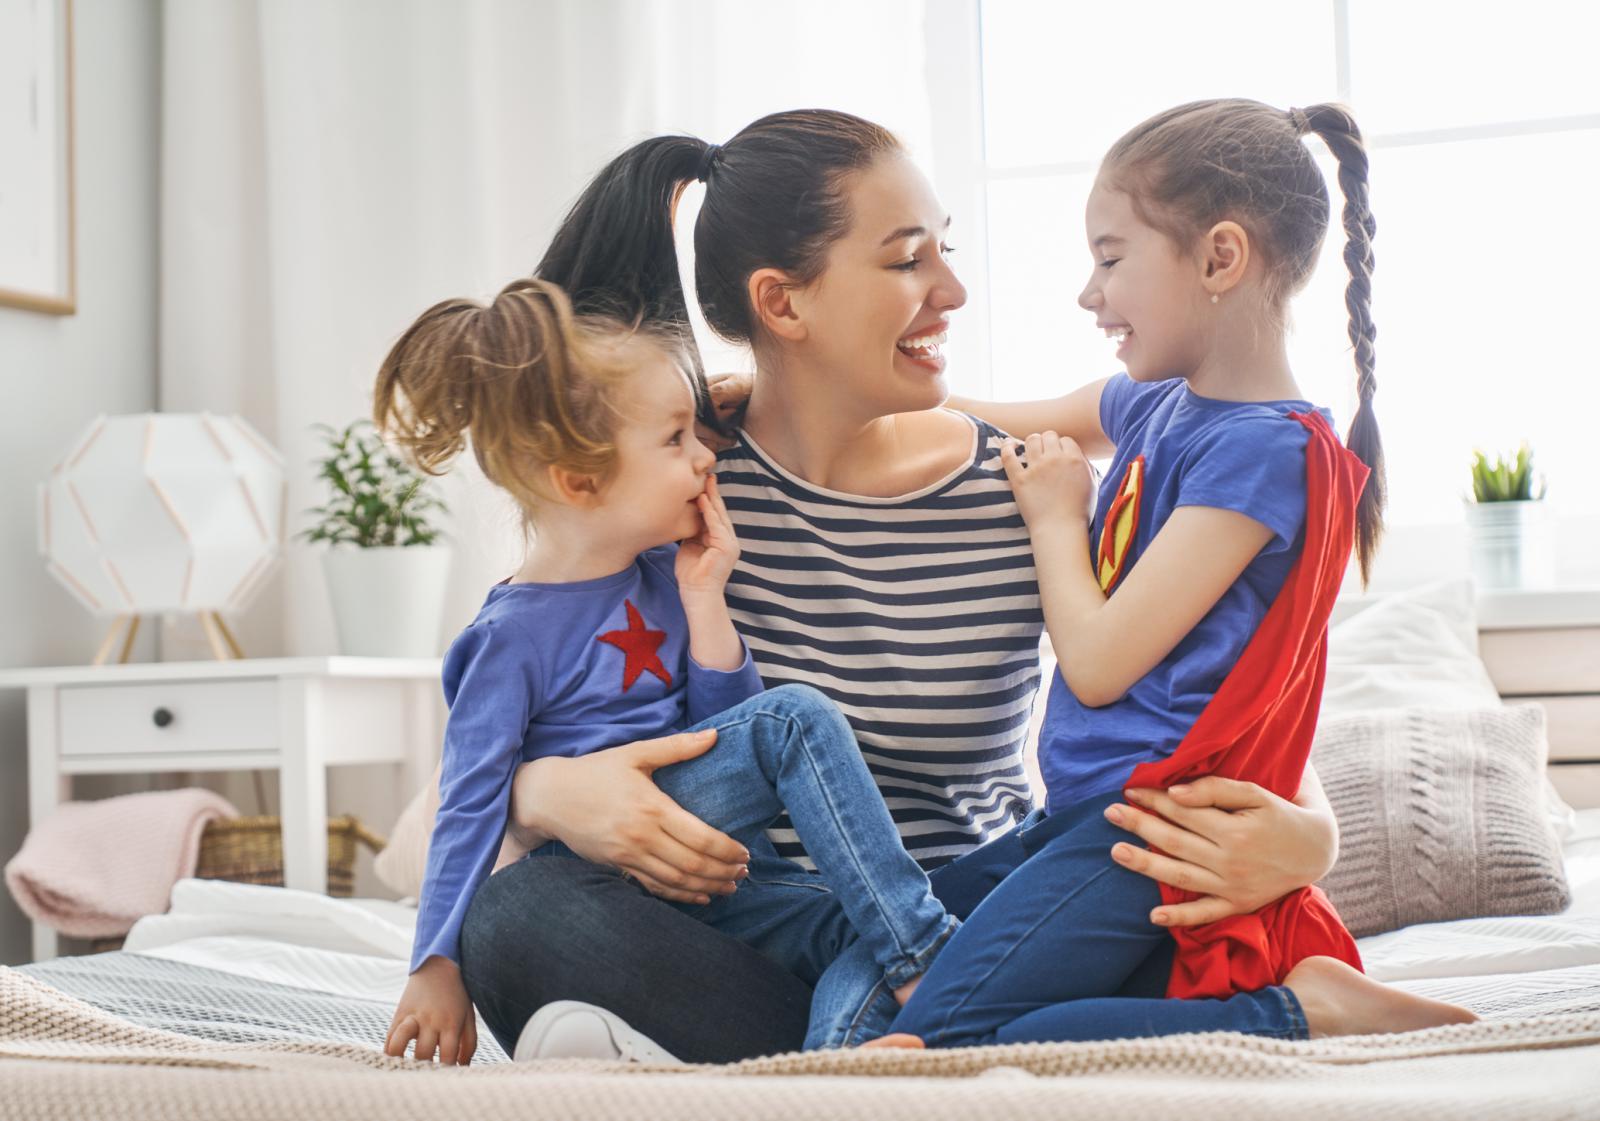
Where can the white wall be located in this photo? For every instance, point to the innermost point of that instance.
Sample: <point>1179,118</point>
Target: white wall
<point>57,373</point>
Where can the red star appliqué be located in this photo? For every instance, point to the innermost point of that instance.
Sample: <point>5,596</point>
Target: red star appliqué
<point>640,646</point>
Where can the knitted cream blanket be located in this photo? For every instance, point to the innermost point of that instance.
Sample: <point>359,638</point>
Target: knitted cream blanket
<point>61,1058</point>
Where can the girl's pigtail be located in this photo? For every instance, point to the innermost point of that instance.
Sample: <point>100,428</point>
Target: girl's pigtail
<point>419,401</point>
<point>1334,124</point>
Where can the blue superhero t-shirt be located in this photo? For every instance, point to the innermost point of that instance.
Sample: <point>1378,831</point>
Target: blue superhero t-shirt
<point>1248,457</point>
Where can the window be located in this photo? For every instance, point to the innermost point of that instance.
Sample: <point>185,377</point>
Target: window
<point>1484,140</point>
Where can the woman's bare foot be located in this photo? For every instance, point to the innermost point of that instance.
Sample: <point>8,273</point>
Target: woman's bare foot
<point>903,993</point>
<point>1339,1000</point>
<point>899,1040</point>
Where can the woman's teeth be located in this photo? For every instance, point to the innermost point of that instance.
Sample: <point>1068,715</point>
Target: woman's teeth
<point>925,347</point>
<point>1118,333</point>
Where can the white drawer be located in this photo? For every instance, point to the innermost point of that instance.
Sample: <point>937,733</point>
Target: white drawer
<point>207,717</point>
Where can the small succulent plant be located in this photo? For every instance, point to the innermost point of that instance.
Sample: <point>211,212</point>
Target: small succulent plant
<point>1504,478</point>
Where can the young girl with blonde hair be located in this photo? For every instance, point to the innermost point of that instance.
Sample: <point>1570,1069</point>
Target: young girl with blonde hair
<point>615,629</point>
<point>1188,607</point>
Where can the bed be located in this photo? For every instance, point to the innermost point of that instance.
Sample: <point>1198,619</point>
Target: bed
<point>244,985</point>
<point>259,1002</point>
<point>236,963</point>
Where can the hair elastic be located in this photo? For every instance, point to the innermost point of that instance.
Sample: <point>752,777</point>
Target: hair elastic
<point>708,161</point>
<point>1301,122</point>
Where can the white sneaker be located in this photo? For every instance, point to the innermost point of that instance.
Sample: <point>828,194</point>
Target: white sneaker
<point>571,1029</point>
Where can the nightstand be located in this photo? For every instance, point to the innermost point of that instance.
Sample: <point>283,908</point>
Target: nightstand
<point>297,716</point>
<point>1544,647</point>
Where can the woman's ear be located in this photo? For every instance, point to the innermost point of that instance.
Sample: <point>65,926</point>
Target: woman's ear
<point>573,488</point>
<point>771,293</point>
<point>1224,257</point>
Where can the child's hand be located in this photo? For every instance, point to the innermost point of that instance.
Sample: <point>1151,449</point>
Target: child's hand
<point>730,393</point>
<point>436,1012</point>
<point>1051,478</point>
<point>706,560</point>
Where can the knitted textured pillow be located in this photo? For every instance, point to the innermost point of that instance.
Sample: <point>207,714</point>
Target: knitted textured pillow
<point>1441,816</point>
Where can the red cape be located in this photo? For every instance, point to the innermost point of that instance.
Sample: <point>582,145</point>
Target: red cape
<point>1259,727</point>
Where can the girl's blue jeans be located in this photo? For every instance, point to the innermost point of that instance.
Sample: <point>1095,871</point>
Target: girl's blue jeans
<point>791,749</point>
<point>1057,944</point>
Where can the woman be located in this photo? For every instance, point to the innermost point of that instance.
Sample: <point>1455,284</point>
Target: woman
<point>884,562</point>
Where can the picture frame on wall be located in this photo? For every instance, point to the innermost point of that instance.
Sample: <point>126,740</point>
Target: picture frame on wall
<point>38,251</point>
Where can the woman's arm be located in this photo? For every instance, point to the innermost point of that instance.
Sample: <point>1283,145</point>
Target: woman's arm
<point>1077,415</point>
<point>606,808</point>
<point>1238,845</point>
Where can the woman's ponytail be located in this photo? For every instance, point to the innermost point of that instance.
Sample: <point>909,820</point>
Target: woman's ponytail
<point>614,253</point>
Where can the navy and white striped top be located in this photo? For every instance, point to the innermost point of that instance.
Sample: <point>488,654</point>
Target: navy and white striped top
<point>918,615</point>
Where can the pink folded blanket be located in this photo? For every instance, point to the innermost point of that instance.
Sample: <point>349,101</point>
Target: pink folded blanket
<point>92,869</point>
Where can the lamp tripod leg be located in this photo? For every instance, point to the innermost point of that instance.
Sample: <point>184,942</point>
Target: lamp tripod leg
<point>110,641</point>
<point>208,623</point>
<point>227,635</point>
<point>127,643</point>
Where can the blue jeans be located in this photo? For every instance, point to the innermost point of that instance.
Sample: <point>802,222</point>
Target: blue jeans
<point>791,749</point>
<point>1062,948</point>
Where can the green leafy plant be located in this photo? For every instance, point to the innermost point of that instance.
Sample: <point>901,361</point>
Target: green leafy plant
<point>378,499</point>
<point>1504,479</point>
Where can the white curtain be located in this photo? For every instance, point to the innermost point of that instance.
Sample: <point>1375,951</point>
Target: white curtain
<point>331,169</point>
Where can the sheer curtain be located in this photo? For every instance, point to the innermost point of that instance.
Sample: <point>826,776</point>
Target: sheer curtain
<point>329,170</point>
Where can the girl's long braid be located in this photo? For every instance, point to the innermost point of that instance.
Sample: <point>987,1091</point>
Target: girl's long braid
<point>1338,130</point>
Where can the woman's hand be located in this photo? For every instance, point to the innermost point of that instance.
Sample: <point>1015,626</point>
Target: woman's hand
<point>1236,845</point>
<point>436,1012</point>
<point>706,560</point>
<point>1051,478</point>
<point>606,808</point>
<point>730,393</point>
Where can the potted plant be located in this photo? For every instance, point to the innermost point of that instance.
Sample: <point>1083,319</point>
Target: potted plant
<point>386,571</point>
<point>1507,523</point>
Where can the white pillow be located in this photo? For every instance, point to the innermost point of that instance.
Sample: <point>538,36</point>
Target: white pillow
<point>1418,649</point>
<point>1415,649</point>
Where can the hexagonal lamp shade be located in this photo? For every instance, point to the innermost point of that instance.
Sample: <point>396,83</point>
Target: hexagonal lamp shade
<point>165,512</point>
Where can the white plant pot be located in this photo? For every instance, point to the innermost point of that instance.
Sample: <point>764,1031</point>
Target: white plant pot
<point>1511,544</point>
<point>388,602</point>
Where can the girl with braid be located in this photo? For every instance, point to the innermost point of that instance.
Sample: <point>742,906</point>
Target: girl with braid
<point>1189,606</point>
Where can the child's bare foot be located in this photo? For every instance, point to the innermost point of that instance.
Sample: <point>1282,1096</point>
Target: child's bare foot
<point>1339,1000</point>
<point>899,1040</point>
<point>903,993</point>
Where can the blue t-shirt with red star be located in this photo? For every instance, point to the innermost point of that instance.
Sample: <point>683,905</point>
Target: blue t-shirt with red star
<point>554,669</point>
<point>1248,457</point>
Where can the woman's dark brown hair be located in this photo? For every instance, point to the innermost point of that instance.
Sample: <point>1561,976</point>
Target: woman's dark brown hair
<point>1198,164</point>
<point>775,198</point>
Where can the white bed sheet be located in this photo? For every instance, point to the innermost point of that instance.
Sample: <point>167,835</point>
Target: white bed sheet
<point>352,947</point>
<point>361,947</point>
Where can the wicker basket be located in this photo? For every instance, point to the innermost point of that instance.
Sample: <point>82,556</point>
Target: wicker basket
<point>249,850</point>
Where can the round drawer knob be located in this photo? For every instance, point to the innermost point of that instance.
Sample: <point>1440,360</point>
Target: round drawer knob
<point>162,717</point>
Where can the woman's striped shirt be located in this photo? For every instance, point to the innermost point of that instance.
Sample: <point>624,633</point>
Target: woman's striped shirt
<point>918,615</point>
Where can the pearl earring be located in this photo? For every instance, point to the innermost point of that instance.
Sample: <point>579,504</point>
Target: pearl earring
<point>1213,297</point>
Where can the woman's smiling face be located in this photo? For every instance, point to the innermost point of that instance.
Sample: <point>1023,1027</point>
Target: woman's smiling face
<point>876,317</point>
